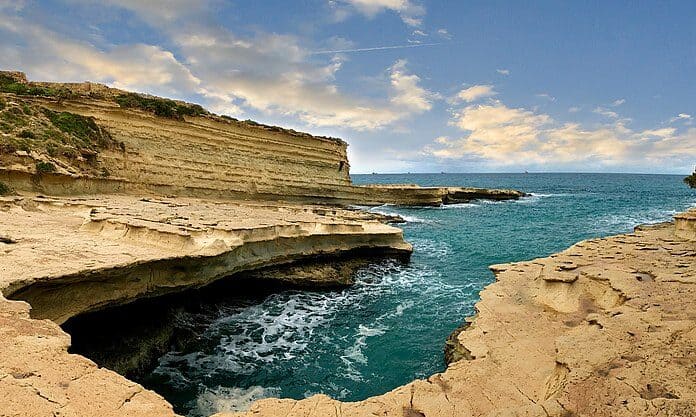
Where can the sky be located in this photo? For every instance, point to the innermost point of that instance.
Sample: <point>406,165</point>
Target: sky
<point>411,85</point>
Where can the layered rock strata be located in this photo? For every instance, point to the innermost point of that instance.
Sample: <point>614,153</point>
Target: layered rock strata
<point>604,328</point>
<point>69,256</point>
<point>77,138</point>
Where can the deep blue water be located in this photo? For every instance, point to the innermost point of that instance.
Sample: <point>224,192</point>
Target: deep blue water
<point>390,327</point>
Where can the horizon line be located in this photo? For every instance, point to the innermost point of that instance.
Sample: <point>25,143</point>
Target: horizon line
<point>514,172</point>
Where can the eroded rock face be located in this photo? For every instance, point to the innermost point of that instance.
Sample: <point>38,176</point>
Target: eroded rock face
<point>604,328</point>
<point>71,255</point>
<point>607,327</point>
<point>76,255</point>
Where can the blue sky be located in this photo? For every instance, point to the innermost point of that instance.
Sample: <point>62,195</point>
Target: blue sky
<point>412,86</point>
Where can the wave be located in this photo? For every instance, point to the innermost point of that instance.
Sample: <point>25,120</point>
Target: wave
<point>390,212</point>
<point>624,222</point>
<point>229,399</point>
<point>536,197</point>
<point>460,205</point>
<point>431,247</point>
<point>283,328</point>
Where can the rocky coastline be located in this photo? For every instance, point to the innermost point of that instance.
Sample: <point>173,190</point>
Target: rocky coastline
<point>128,196</point>
<point>605,328</point>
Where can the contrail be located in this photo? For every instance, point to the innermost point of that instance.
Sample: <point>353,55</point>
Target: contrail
<point>377,48</point>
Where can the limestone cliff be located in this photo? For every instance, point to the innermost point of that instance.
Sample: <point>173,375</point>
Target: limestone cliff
<point>66,256</point>
<point>76,138</point>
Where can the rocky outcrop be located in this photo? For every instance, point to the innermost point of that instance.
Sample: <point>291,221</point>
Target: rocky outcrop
<point>66,256</point>
<point>604,328</point>
<point>414,195</point>
<point>101,251</point>
<point>685,224</point>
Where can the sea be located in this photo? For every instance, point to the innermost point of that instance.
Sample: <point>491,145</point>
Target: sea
<point>390,326</point>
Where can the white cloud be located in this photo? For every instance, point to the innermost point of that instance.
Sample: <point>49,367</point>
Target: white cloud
<point>574,109</point>
<point>271,73</point>
<point>664,132</point>
<point>503,71</point>
<point>476,92</point>
<point>408,93</point>
<point>50,56</point>
<point>618,102</point>
<point>503,136</point>
<point>154,11</point>
<point>681,116</point>
<point>546,96</point>
<point>419,32</point>
<point>605,112</point>
<point>410,13</point>
<point>443,33</point>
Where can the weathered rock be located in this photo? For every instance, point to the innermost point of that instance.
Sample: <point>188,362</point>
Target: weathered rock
<point>66,256</point>
<point>686,224</point>
<point>618,339</point>
<point>77,255</point>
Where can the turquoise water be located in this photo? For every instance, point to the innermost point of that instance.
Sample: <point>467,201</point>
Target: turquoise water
<point>390,327</point>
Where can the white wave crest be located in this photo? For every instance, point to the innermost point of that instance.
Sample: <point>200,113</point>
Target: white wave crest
<point>230,399</point>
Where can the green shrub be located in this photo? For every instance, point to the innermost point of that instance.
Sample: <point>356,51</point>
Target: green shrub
<point>26,134</point>
<point>83,128</point>
<point>230,118</point>
<point>51,149</point>
<point>45,167</point>
<point>69,153</point>
<point>10,85</point>
<point>14,117</point>
<point>159,106</point>
<point>5,189</point>
<point>24,146</point>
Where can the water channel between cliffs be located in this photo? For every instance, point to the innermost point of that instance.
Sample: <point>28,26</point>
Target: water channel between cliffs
<point>221,347</point>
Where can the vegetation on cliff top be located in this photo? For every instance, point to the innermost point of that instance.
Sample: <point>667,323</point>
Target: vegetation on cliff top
<point>11,85</point>
<point>30,133</point>
<point>16,83</point>
<point>162,107</point>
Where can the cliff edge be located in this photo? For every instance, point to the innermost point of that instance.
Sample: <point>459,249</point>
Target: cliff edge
<point>86,138</point>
